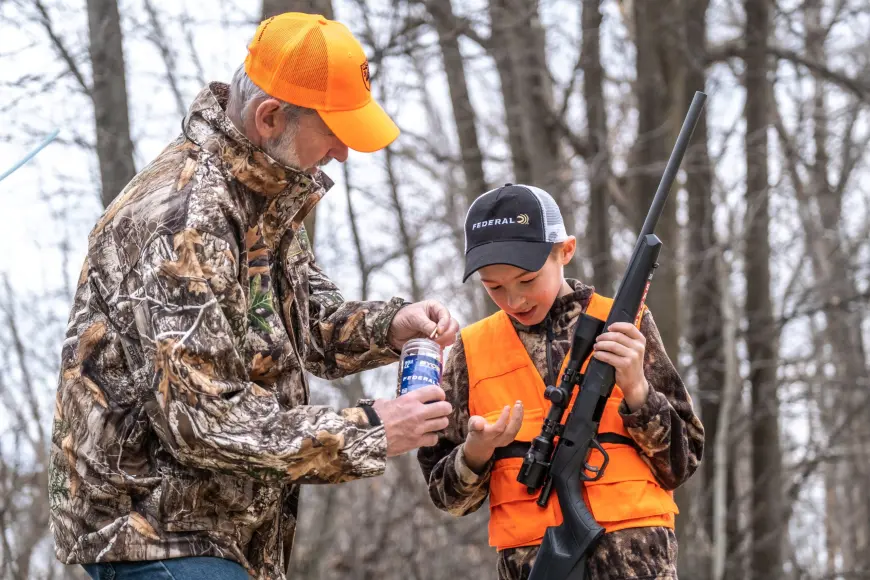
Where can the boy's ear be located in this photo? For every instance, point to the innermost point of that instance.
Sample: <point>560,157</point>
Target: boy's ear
<point>566,252</point>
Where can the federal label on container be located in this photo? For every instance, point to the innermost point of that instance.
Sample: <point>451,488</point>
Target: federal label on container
<point>419,370</point>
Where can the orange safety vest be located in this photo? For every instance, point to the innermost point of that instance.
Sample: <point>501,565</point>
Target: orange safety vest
<point>500,372</point>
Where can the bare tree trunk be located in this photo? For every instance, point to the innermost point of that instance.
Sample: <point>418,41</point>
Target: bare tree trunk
<point>464,116</point>
<point>463,113</point>
<point>659,28</point>
<point>723,514</point>
<point>109,93</point>
<point>598,160</point>
<point>323,7</point>
<point>831,265</point>
<point>762,337</point>
<point>275,7</point>
<point>503,47</point>
<point>655,21</point>
<point>704,295</point>
<point>518,45</point>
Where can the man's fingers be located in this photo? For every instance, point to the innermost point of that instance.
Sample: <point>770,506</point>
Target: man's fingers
<point>448,336</point>
<point>436,410</point>
<point>440,314</point>
<point>429,440</point>
<point>433,425</point>
<point>428,393</point>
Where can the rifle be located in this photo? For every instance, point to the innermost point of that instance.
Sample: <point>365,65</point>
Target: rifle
<point>565,548</point>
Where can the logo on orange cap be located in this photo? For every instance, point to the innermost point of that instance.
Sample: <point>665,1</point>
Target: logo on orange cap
<point>364,67</point>
<point>313,62</point>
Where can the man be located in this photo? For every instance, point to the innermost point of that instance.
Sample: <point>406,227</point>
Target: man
<point>182,427</point>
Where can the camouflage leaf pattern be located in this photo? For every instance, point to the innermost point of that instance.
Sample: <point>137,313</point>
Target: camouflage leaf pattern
<point>666,428</point>
<point>632,554</point>
<point>182,425</point>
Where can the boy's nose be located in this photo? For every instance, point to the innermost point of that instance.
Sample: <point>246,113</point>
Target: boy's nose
<point>514,302</point>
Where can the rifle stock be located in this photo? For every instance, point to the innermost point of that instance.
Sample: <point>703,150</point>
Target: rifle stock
<point>565,548</point>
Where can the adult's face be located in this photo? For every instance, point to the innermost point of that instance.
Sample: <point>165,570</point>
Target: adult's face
<point>306,146</point>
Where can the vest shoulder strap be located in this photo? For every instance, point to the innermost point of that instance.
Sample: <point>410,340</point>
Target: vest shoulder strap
<point>599,308</point>
<point>520,448</point>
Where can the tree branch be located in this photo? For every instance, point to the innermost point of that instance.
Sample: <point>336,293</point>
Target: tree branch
<point>736,48</point>
<point>59,46</point>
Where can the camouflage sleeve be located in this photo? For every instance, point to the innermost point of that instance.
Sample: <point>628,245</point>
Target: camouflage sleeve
<point>346,337</point>
<point>453,486</point>
<point>206,411</point>
<point>666,427</point>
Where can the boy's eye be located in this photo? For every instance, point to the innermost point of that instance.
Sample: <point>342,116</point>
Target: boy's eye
<point>529,281</point>
<point>493,288</point>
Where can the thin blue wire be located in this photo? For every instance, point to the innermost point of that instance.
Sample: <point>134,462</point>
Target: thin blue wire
<point>30,155</point>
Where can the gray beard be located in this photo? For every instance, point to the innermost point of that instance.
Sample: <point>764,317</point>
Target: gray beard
<point>281,149</point>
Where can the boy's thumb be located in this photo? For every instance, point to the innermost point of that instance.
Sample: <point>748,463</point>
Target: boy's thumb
<point>476,423</point>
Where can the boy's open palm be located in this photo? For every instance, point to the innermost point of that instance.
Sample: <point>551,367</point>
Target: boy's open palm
<point>484,438</point>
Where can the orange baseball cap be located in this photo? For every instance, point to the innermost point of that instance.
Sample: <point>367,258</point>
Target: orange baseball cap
<point>313,62</point>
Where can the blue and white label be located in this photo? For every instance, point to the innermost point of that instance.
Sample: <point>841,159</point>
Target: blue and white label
<point>419,370</point>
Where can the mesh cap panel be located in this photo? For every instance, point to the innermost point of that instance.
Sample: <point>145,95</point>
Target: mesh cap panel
<point>554,226</point>
<point>309,63</point>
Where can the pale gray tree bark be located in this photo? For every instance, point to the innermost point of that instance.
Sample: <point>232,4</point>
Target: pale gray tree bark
<point>657,24</point>
<point>598,158</point>
<point>704,295</point>
<point>768,529</point>
<point>518,45</point>
<point>448,28</point>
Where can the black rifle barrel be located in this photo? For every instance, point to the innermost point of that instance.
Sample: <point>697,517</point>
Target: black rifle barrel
<point>673,166</point>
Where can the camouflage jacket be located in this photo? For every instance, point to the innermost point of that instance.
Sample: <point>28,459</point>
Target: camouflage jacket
<point>181,424</point>
<point>666,428</point>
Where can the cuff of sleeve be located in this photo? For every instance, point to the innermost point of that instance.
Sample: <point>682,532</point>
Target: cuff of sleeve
<point>366,444</point>
<point>466,474</point>
<point>368,409</point>
<point>655,404</point>
<point>385,321</point>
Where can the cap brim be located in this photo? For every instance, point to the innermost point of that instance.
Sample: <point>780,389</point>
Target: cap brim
<point>527,255</point>
<point>366,129</point>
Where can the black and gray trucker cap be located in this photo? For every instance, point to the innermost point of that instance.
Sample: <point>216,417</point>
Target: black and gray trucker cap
<point>515,225</point>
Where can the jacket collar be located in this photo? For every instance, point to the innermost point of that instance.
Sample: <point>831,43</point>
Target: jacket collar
<point>291,194</point>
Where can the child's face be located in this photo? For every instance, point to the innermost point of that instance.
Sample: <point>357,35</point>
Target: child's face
<point>527,296</point>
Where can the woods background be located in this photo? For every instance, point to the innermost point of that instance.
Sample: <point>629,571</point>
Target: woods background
<point>762,297</point>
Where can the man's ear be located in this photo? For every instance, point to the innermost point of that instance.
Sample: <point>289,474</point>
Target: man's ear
<point>269,119</point>
<point>567,250</point>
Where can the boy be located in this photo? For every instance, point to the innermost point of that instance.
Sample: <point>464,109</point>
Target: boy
<point>495,376</point>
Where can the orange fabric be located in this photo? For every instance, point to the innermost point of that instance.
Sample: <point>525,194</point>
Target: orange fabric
<point>500,373</point>
<point>313,62</point>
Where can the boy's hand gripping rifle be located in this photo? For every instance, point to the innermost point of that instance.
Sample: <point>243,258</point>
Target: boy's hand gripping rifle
<point>564,550</point>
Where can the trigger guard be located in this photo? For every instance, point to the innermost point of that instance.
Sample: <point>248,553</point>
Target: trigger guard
<point>599,470</point>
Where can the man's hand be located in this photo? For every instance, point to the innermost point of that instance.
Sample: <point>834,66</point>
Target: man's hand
<point>483,439</point>
<point>411,423</point>
<point>623,346</point>
<point>426,319</point>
